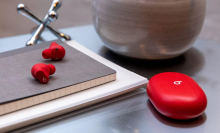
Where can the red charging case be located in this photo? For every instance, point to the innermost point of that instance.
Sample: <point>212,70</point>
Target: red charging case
<point>176,95</point>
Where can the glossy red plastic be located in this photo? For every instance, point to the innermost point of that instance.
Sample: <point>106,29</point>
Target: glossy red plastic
<point>176,95</point>
<point>55,52</point>
<point>42,71</point>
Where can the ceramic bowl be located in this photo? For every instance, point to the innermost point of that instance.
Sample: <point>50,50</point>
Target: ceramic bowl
<point>148,29</point>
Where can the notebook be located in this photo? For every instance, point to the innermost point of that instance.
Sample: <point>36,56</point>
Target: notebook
<point>75,72</point>
<point>126,82</point>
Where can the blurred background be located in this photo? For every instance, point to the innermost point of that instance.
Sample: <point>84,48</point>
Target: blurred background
<point>77,13</point>
<point>72,13</point>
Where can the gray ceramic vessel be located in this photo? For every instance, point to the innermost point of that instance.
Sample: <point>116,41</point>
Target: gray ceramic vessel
<point>148,29</point>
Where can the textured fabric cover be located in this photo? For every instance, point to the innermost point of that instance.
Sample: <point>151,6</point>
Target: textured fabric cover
<point>16,81</point>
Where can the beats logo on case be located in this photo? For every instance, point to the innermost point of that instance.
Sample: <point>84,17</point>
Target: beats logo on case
<point>176,95</point>
<point>55,52</point>
<point>177,82</point>
<point>42,71</point>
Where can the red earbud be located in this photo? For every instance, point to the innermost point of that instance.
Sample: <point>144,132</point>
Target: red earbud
<point>55,52</point>
<point>42,71</point>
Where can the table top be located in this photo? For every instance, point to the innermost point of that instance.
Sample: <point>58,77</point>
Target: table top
<point>133,112</point>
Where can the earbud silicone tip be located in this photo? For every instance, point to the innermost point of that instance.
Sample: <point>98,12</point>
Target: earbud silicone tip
<point>52,69</point>
<point>47,54</point>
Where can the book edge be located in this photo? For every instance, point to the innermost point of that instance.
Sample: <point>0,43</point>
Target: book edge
<point>45,97</point>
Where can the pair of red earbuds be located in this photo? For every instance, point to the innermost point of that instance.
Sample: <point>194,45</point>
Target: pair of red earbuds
<point>42,71</point>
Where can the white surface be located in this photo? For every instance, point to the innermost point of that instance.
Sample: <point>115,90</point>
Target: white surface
<point>125,80</point>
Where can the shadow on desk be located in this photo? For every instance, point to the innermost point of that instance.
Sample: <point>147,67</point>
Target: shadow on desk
<point>189,63</point>
<point>176,123</point>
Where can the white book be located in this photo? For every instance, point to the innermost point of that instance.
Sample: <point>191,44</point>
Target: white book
<point>125,81</point>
